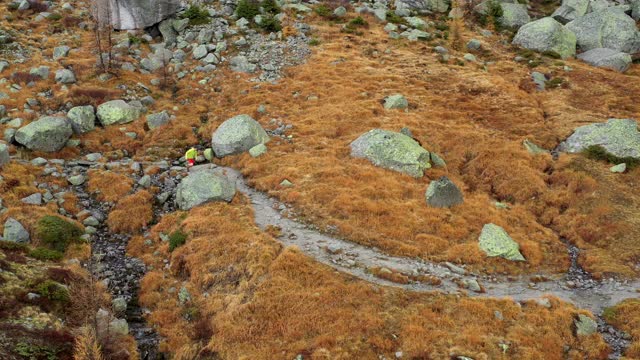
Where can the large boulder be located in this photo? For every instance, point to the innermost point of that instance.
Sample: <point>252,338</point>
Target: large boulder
<point>237,135</point>
<point>612,29</point>
<point>140,14</point>
<point>495,241</point>
<point>585,325</point>
<point>157,120</point>
<point>48,134</point>
<point>117,112</point>
<point>547,34</point>
<point>14,231</point>
<point>571,10</point>
<point>83,119</point>
<point>607,58</point>
<point>392,150</point>
<point>514,15</point>
<point>204,186</point>
<point>443,193</point>
<point>635,10</point>
<point>619,137</point>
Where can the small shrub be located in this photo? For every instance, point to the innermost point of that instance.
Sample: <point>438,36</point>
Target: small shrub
<point>54,17</point>
<point>91,96</point>
<point>44,254</point>
<point>442,26</point>
<point>13,6</point>
<point>323,11</point>
<point>177,239</point>
<point>554,83</point>
<point>247,9</point>
<point>314,42</point>
<point>70,21</point>
<point>270,7</point>
<point>196,15</point>
<point>495,13</point>
<point>53,291</point>
<point>135,39</point>
<point>13,246</point>
<point>23,77</point>
<point>57,233</point>
<point>597,152</point>
<point>358,22</point>
<point>394,18</point>
<point>552,54</point>
<point>32,351</point>
<point>270,24</point>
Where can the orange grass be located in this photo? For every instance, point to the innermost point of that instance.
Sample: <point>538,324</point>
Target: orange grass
<point>109,186</point>
<point>132,213</point>
<point>626,316</point>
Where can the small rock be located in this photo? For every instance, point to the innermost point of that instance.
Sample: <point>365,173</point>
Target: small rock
<point>14,231</point>
<point>620,168</point>
<point>396,101</point>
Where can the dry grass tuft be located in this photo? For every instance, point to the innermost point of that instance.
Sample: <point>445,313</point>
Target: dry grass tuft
<point>109,186</point>
<point>132,213</point>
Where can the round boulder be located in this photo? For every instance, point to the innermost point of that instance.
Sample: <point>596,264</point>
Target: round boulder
<point>47,134</point>
<point>202,187</point>
<point>237,135</point>
<point>392,150</point>
<point>495,241</point>
<point>117,112</point>
<point>612,29</point>
<point>547,34</point>
<point>83,119</point>
<point>443,193</point>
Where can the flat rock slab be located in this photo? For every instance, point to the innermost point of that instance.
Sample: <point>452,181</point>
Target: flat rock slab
<point>204,186</point>
<point>619,137</point>
<point>48,134</point>
<point>607,58</point>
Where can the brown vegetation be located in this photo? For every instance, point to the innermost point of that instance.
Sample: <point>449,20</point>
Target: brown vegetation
<point>626,316</point>
<point>108,185</point>
<point>131,213</point>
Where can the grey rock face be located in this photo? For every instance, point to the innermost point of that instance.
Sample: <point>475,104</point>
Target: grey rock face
<point>610,29</point>
<point>47,134</point>
<point>4,154</point>
<point>237,135</point>
<point>391,150</point>
<point>14,231</point>
<point>202,187</point>
<point>139,14</point>
<point>607,58</point>
<point>546,34</point>
<point>156,120</point>
<point>117,112</point>
<point>443,193</point>
<point>83,119</point>
<point>619,137</point>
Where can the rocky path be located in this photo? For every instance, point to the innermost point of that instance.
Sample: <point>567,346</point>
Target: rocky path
<point>576,286</point>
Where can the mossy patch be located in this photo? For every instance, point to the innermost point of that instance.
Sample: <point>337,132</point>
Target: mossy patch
<point>57,233</point>
<point>597,152</point>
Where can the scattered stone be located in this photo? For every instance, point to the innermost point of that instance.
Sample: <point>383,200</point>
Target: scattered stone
<point>145,181</point>
<point>93,157</point>
<point>472,284</point>
<point>514,15</point>
<point>76,180</point>
<point>157,120</point>
<point>15,232</point>
<point>610,29</point>
<point>33,199</point>
<point>619,137</point>
<point>540,80</point>
<point>443,193</point>
<point>258,150</point>
<point>607,58</point>
<point>495,241</point>
<point>469,57</point>
<point>65,76</point>
<point>474,45</point>
<point>39,161</point>
<point>436,160</point>
<point>340,11</point>
<point>547,34</point>
<point>48,134</point>
<point>119,306</point>
<point>585,325</point>
<point>41,72</point>
<point>184,296</point>
<point>237,135</point>
<point>533,149</point>
<point>119,326</point>
<point>396,101</point>
<point>83,119</point>
<point>391,150</point>
<point>208,154</point>
<point>117,112</point>
<point>204,186</point>
<point>286,183</point>
<point>200,52</point>
<point>620,168</point>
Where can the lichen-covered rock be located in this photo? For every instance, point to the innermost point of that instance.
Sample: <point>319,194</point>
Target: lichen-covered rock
<point>117,112</point>
<point>443,193</point>
<point>47,134</point>
<point>392,150</point>
<point>607,58</point>
<point>65,76</point>
<point>547,34</point>
<point>15,232</point>
<point>495,241</point>
<point>157,120</point>
<point>140,14</point>
<point>4,154</point>
<point>440,6</point>
<point>203,186</point>
<point>619,137</point>
<point>237,135</point>
<point>396,101</point>
<point>514,15</point>
<point>83,119</point>
<point>571,10</point>
<point>612,29</point>
<point>258,150</point>
<point>585,325</point>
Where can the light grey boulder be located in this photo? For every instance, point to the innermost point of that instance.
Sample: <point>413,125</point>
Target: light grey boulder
<point>610,29</point>
<point>65,76</point>
<point>169,34</point>
<point>620,168</point>
<point>393,151</point>
<point>440,6</point>
<point>119,327</point>
<point>443,193</point>
<point>241,64</point>
<point>83,119</point>
<point>140,14</point>
<point>237,135</point>
<point>635,10</point>
<point>60,52</point>
<point>4,154</point>
<point>33,199</point>
<point>15,232</point>
<point>585,325</point>
<point>202,187</point>
<point>396,101</point>
<point>40,71</point>
<point>47,134</point>
<point>514,15</point>
<point>158,119</point>
<point>258,150</point>
<point>199,52</point>
<point>117,112</point>
<point>180,25</point>
<point>340,11</point>
<point>495,241</point>
<point>76,180</point>
<point>570,10</point>
<point>619,137</point>
<point>607,58</point>
<point>546,34</point>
